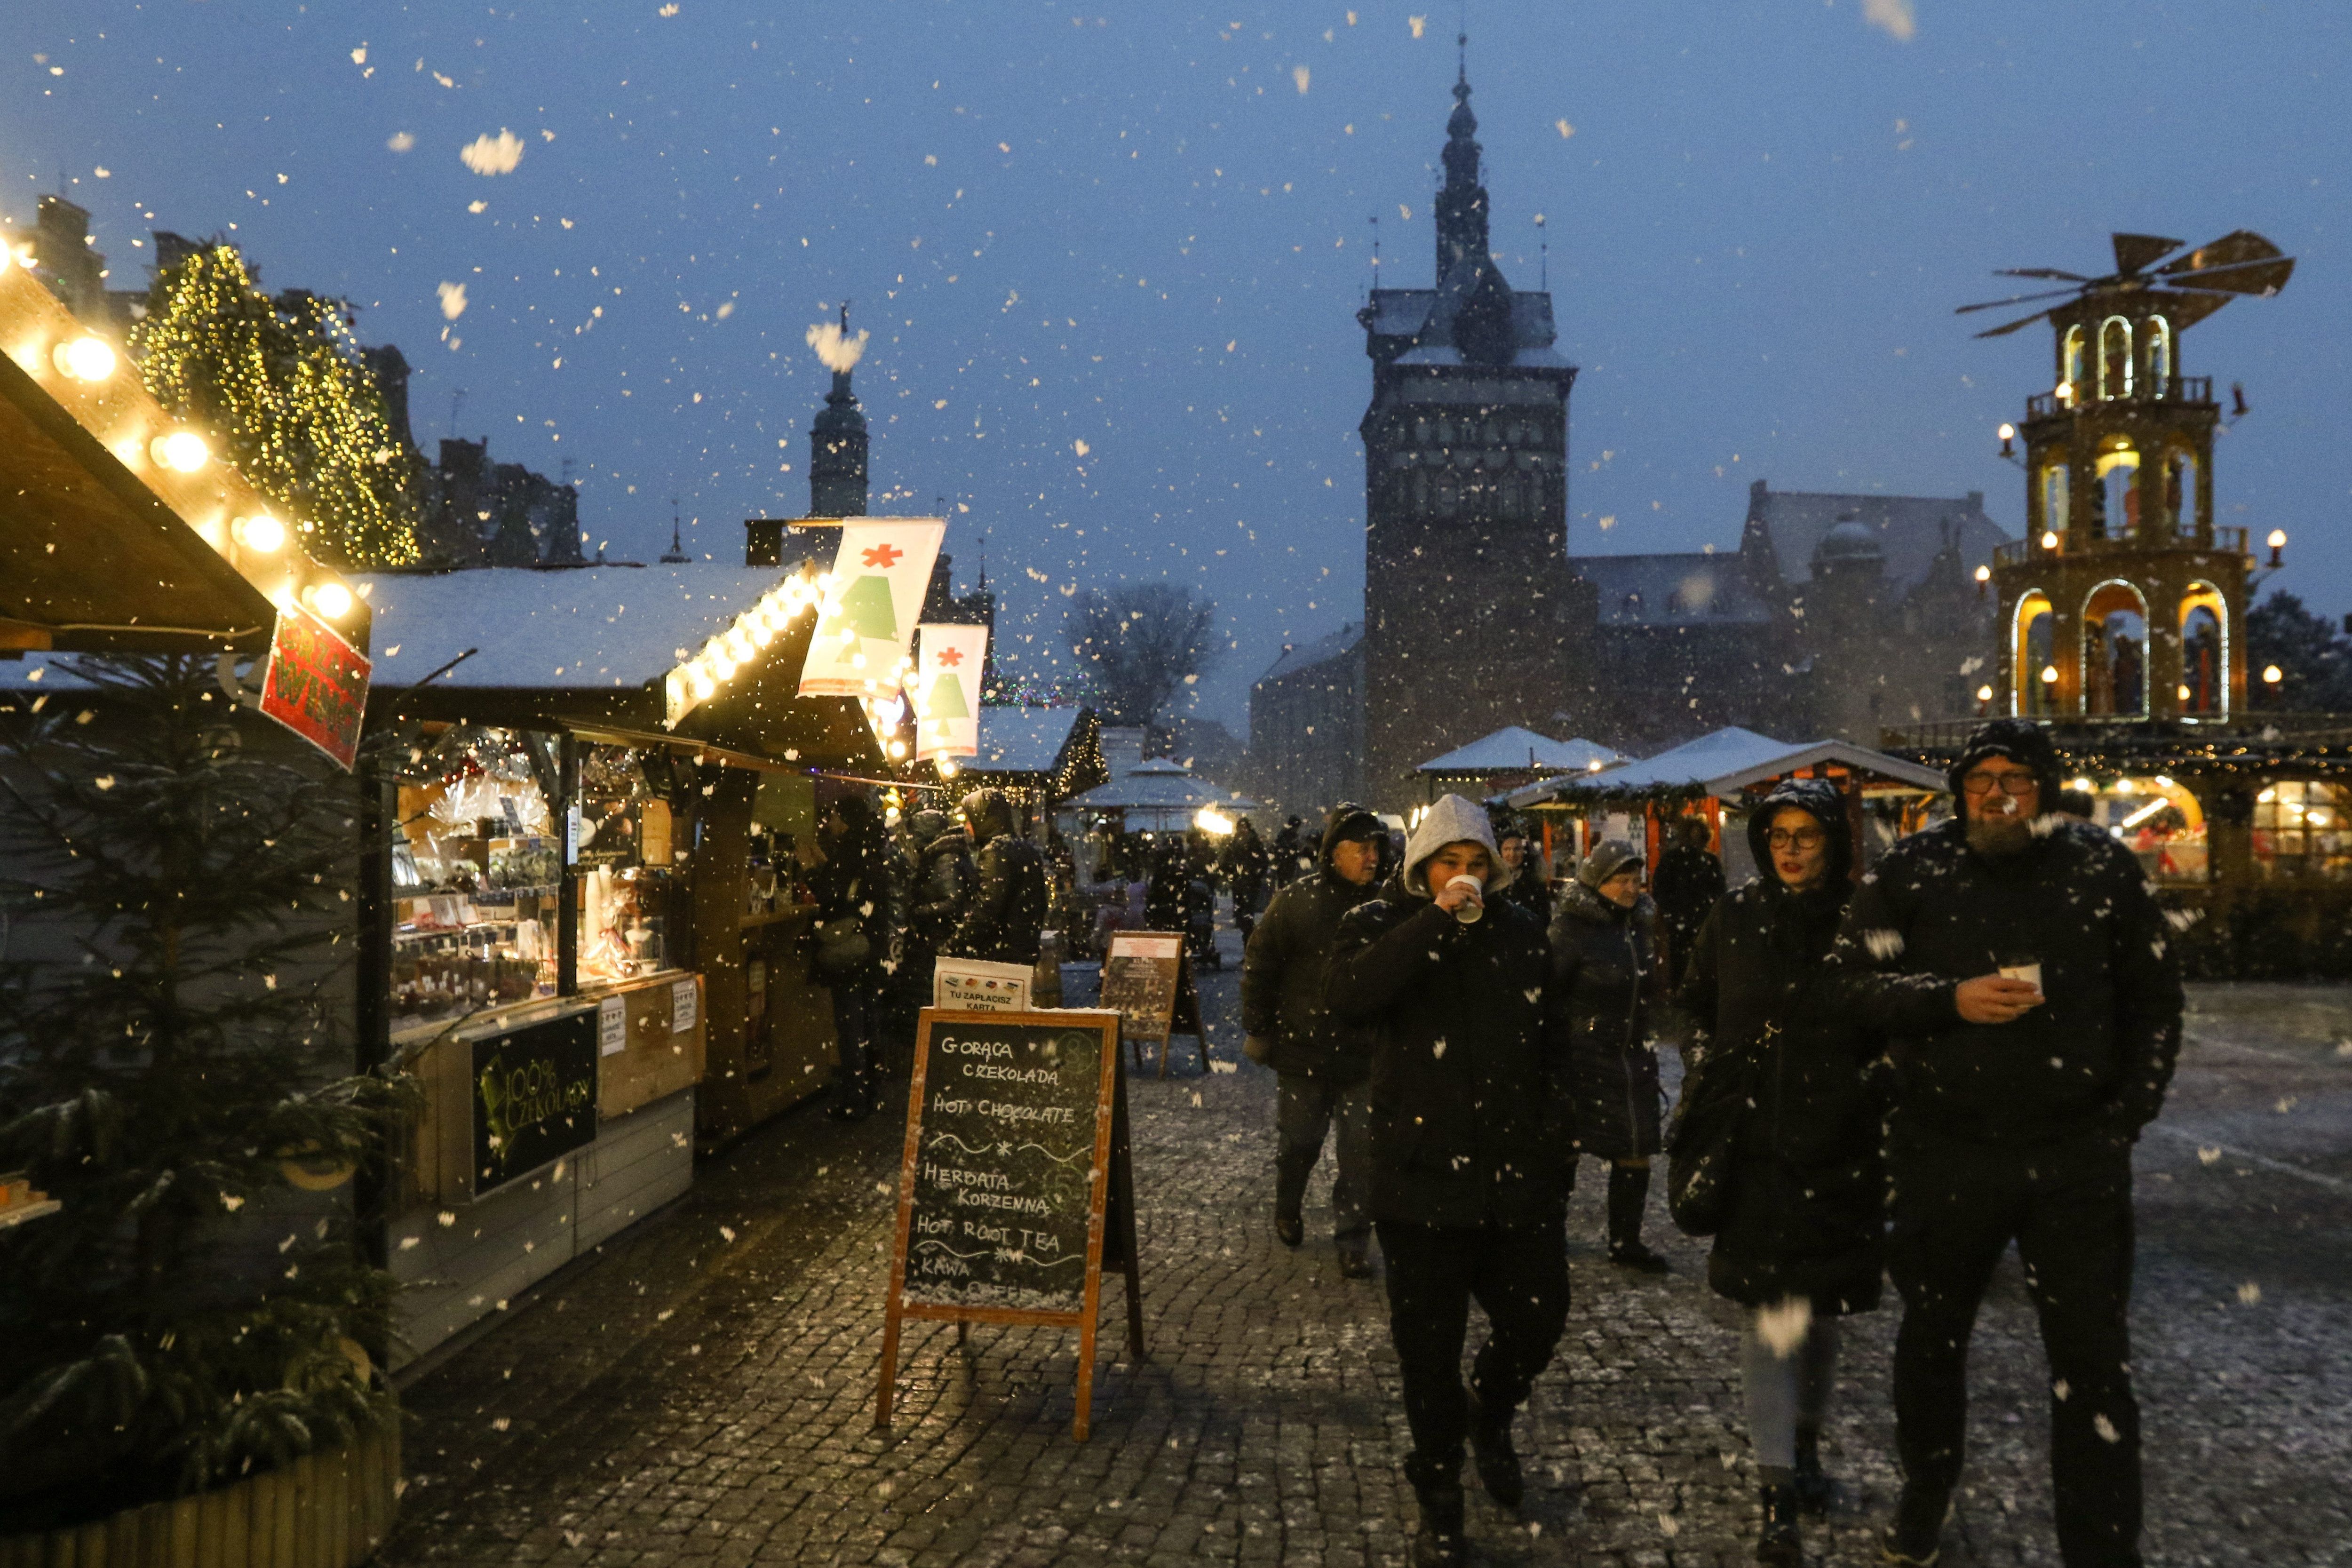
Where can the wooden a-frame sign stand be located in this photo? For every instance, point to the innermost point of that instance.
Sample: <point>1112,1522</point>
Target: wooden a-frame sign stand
<point>1156,1013</point>
<point>1110,1230</point>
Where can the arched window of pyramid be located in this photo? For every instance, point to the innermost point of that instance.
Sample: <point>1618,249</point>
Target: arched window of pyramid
<point>946,701</point>
<point>865,608</point>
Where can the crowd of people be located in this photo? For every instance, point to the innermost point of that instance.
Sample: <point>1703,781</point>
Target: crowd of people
<point>1888,1075</point>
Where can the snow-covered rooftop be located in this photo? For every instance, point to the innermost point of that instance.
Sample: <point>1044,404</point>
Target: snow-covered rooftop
<point>586,627</point>
<point>1724,762</point>
<point>1514,749</point>
<point>1016,740</point>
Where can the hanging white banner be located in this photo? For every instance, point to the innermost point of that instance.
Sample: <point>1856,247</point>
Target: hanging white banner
<point>869,615</point>
<point>947,691</point>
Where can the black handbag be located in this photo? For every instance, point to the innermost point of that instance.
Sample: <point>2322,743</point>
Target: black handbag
<point>1700,1143</point>
<point>842,946</point>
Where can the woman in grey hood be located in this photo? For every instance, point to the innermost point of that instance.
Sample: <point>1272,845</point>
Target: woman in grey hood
<point>1606,974</point>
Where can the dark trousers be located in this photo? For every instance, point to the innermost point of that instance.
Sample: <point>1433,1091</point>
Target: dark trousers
<point>853,1028</point>
<point>1519,1276</point>
<point>2067,1205</point>
<point>1304,1112</point>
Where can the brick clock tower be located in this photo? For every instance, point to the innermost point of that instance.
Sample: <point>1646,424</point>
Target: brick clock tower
<point>2124,600</point>
<point>1469,604</point>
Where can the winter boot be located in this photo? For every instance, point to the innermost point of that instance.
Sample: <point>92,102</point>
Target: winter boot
<point>1355,1261</point>
<point>1441,1543</point>
<point>1288,1229</point>
<point>1777,1544</point>
<point>1491,1451</point>
<point>1629,1191</point>
<point>1815,1491</point>
<point>1916,1538</point>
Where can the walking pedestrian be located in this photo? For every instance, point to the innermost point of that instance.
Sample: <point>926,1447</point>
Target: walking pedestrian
<point>1798,1244</point>
<point>1689,880</point>
<point>1605,977</point>
<point>847,866</point>
<point>940,888</point>
<point>1522,854</point>
<point>1245,866</point>
<point>2028,986</point>
<point>1009,896</point>
<point>1471,1152</point>
<point>1290,852</point>
<point>1286,1025</point>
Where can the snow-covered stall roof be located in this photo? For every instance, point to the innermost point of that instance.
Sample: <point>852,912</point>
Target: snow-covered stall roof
<point>1516,749</point>
<point>1023,739</point>
<point>1723,764</point>
<point>533,629</point>
<point>1160,795</point>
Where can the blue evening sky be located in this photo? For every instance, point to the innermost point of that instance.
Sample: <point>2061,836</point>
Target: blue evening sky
<point>1112,257</point>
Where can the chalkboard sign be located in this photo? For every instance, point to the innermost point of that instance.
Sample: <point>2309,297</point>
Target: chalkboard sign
<point>1146,979</point>
<point>534,1096</point>
<point>1014,1189</point>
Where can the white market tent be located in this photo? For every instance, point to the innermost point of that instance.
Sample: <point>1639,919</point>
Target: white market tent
<point>1514,750</point>
<point>1160,797</point>
<point>1724,763</point>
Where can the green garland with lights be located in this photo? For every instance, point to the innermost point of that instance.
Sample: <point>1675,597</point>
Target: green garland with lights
<point>280,386</point>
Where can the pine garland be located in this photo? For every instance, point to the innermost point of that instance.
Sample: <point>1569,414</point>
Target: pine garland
<point>280,385</point>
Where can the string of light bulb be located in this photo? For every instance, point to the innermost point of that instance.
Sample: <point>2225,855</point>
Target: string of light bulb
<point>698,676</point>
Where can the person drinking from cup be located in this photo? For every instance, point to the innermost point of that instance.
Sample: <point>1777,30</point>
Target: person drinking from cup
<point>2027,986</point>
<point>1796,1241</point>
<point>1444,984</point>
<point>1606,974</point>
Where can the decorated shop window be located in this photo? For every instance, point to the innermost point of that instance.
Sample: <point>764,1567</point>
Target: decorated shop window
<point>476,869</point>
<point>625,867</point>
<point>2300,831</point>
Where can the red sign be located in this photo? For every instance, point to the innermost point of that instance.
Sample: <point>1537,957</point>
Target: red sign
<point>318,683</point>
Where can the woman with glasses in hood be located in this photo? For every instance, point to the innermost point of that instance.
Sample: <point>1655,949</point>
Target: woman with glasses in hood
<point>1798,1245</point>
<point>1607,973</point>
<point>1442,982</point>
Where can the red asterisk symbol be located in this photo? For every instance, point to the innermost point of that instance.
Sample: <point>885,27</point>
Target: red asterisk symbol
<point>951,657</point>
<point>883,555</point>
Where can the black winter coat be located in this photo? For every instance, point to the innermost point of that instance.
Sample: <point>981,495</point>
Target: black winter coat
<point>2096,1058</point>
<point>942,883</point>
<point>1604,975</point>
<point>1008,909</point>
<point>1282,978</point>
<point>851,883</point>
<point>1804,1185</point>
<point>1470,1120</point>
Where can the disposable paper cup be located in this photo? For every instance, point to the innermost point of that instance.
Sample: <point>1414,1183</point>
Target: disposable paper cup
<point>1470,911</point>
<point>2029,973</point>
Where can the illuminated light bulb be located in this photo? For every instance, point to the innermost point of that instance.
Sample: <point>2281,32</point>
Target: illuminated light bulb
<point>1593,767</point>
<point>2066,392</point>
<point>1984,573</point>
<point>182,451</point>
<point>2267,796</point>
<point>1984,693</point>
<point>897,750</point>
<point>2272,675</point>
<point>2048,541</point>
<point>2163,782</point>
<point>703,686</point>
<point>2125,786</point>
<point>2007,432</point>
<point>858,661</point>
<point>130,451</point>
<point>2049,675</point>
<point>2277,541</point>
<point>2184,694</point>
<point>947,766</point>
<point>331,600</point>
<point>765,635</point>
<point>85,359</point>
<point>261,534</point>
<point>738,644</point>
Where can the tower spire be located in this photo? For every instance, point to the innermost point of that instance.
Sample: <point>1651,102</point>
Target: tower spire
<point>1461,200</point>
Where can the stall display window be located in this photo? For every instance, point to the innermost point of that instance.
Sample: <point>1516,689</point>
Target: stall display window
<point>475,869</point>
<point>624,865</point>
<point>2300,831</point>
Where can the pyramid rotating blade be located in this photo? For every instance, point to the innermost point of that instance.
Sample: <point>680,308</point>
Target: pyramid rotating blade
<point>2005,331</point>
<point>2012,300</point>
<point>2134,251</point>
<point>2232,249</point>
<point>2262,278</point>
<point>2185,308</point>
<point>2038,272</point>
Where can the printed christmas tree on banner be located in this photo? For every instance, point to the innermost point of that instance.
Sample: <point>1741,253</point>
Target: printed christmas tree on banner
<point>947,698</point>
<point>865,608</point>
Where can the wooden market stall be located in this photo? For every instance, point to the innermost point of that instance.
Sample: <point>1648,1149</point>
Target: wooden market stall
<point>1511,758</point>
<point>1718,776</point>
<point>587,970</point>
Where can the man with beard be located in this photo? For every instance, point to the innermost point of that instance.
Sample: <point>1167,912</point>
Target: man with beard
<point>2027,986</point>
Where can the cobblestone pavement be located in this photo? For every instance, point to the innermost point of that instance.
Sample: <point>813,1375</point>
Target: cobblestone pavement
<point>703,1390</point>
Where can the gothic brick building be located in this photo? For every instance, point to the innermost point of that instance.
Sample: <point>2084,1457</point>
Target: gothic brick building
<point>1469,607</point>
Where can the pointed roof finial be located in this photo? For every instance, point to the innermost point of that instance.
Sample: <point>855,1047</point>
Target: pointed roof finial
<point>678,556</point>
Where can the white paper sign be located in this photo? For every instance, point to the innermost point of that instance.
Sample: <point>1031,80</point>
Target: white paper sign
<point>946,697</point>
<point>972,985</point>
<point>867,619</point>
<point>682,1006</point>
<point>611,1027</point>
